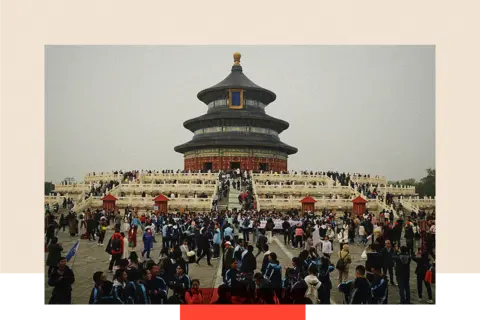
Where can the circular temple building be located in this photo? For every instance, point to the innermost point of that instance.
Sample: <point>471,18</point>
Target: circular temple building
<point>236,132</point>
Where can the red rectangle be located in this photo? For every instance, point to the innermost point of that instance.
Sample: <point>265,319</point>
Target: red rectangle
<point>242,312</point>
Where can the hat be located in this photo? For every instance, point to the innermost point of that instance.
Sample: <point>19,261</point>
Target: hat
<point>228,243</point>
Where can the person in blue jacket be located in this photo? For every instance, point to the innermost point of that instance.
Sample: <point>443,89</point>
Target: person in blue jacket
<point>147,242</point>
<point>273,273</point>
<point>157,287</point>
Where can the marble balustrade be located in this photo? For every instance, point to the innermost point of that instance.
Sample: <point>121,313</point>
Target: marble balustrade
<point>302,189</point>
<point>148,203</point>
<point>338,204</point>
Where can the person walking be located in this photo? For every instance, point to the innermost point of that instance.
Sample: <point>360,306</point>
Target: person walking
<point>115,248</point>
<point>387,260</point>
<point>402,271</point>
<point>61,278</point>
<point>423,265</point>
<point>343,263</point>
<point>54,255</point>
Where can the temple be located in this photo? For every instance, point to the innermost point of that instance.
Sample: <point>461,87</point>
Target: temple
<point>236,132</point>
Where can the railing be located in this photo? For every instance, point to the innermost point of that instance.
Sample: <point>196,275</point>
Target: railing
<point>303,188</point>
<point>148,203</point>
<point>79,207</point>
<point>104,176</point>
<point>254,188</point>
<point>290,177</point>
<point>72,188</point>
<point>338,204</point>
<point>180,188</point>
<point>54,199</point>
<point>371,179</point>
<point>417,203</point>
<point>397,190</point>
<point>215,191</point>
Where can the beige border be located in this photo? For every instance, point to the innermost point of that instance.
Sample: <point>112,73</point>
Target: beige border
<point>26,26</point>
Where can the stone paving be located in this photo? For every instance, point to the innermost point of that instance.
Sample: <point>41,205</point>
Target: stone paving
<point>356,251</point>
<point>91,258</point>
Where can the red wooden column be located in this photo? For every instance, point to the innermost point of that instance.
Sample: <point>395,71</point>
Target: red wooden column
<point>308,204</point>
<point>359,206</point>
<point>109,202</point>
<point>162,203</point>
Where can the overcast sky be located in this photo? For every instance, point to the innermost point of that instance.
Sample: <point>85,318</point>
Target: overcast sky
<point>368,109</point>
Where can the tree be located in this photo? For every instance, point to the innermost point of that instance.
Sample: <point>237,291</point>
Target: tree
<point>426,187</point>
<point>49,187</point>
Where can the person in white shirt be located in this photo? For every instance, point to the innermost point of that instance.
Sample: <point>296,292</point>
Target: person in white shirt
<point>327,249</point>
<point>343,237</point>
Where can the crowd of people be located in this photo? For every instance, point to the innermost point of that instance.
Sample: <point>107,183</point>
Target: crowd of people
<point>238,238</point>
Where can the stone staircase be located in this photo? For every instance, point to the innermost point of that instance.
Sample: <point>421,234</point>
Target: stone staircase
<point>233,199</point>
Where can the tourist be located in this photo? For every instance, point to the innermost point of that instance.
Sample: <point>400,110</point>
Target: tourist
<point>343,236</point>
<point>103,231</point>
<point>157,286</point>
<point>286,233</point>
<point>343,263</point>
<point>147,242</point>
<point>299,233</point>
<point>217,240</point>
<point>97,291</point>
<point>63,222</point>
<point>273,273</point>
<point>115,248</point>
<point>361,287</point>
<point>387,260</point>
<point>313,284</point>
<point>181,278</point>
<point>54,254</point>
<point>119,283</point>
<point>402,270</point>
<point>379,287</point>
<point>142,296</point>
<point>327,247</point>
<point>204,247</point>
<point>178,296</point>
<point>107,296</point>
<point>61,278</point>
<point>249,262</point>
<point>423,265</point>
<point>194,294</point>
<point>324,270</point>
<point>223,294</point>
<point>261,243</point>
<point>266,259</point>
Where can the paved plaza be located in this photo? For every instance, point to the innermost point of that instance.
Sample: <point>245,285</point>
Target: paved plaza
<point>91,258</point>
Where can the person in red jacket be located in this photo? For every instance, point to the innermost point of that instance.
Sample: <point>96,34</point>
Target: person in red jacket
<point>115,248</point>
<point>194,295</point>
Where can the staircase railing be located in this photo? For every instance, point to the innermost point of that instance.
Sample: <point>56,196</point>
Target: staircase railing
<point>214,194</point>
<point>255,191</point>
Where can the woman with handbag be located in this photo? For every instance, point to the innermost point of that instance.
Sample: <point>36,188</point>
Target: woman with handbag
<point>424,275</point>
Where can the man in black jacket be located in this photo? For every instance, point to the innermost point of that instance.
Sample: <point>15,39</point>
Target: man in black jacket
<point>387,260</point>
<point>361,288</point>
<point>249,262</point>
<point>286,231</point>
<point>261,243</point>
<point>402,270</point>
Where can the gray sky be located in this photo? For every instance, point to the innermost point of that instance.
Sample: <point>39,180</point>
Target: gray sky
<point>368,109</point>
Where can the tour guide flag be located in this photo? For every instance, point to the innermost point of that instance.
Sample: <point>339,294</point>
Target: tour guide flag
<point>73,251</point>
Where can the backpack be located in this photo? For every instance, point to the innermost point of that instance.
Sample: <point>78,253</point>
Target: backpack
<point>341,263</point>
<point>116,245</point>
<point>311,293</point>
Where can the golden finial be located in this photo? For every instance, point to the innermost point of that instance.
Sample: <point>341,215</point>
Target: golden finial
<point>236,58</point>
